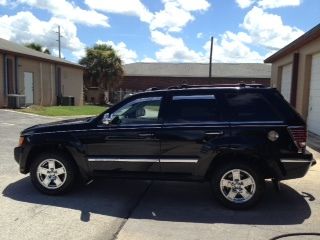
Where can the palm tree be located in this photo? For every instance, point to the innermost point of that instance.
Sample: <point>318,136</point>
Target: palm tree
<point>38,47</point>
<point>103,67</point>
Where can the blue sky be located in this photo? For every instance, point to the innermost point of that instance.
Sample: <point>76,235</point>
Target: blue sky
<point>161,30</point>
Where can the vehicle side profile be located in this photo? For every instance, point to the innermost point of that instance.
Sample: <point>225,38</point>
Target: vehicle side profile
<point>234,136</point>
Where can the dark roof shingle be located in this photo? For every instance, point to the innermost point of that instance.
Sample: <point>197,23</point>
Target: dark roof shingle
<point>224,70</point>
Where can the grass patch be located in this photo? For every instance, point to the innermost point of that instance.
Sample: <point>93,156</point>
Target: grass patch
<point>64,110</point>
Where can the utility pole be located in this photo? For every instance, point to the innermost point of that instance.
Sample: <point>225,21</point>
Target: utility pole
<point>210,64</point>
<point>59,40</point>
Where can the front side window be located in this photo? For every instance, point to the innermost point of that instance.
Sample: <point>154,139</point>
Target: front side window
<point>139,111</point>
<point>195,108</point>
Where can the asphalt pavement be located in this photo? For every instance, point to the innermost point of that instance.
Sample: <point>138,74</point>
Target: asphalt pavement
<point>134,209</point>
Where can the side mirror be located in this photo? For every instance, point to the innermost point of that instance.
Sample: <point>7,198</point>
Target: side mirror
<point>107,118</point>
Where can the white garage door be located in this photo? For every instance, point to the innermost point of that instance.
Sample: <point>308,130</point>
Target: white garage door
<point>286,79</point>
<point>314,99</point>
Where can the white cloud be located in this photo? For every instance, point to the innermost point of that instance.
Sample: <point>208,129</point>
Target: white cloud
<point>176,14</point>
<point>268,30</point>
<point>126,7</point>
<point>191,5</point>
<point>245,3</point>
<point>231,47</point>
<point>68,10</point>
<point>3,2</point>
<point>174,49</point>
<point>127,55</point>
<point>278,3</point>
<point>24,28</point>
<point>148,60</point>
<point>265,4</point>
<point>200,35</point>
<point>165,39</point>
<point>55,52</point>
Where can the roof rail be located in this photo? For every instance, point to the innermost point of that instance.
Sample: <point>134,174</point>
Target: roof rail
<point>153,89</point>
<point>186,86</point>
<point>241,85</point>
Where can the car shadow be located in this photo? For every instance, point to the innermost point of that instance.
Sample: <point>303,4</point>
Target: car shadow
<point>168,201</point>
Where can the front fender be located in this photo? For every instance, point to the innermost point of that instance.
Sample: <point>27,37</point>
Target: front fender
<point>61,142</point>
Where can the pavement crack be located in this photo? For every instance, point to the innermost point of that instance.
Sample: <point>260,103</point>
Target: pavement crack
<point>131,210</point>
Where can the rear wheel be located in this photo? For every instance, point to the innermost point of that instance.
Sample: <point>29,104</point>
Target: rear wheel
<point>53,173</point>
<point>238,185</point>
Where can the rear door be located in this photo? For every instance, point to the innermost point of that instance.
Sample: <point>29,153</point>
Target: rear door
<point>192,127</point>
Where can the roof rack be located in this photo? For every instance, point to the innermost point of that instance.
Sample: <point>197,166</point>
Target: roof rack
<point>234,85</point>
<point>153,89</point>
<point>241,85</point>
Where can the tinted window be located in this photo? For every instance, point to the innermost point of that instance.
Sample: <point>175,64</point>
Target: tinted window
<point>140,111</point>
<point>193,109</point>
<point>250,107</point>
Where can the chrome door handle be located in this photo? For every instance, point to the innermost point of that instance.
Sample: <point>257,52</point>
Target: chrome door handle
<point>146,134</point>
<point>218,133</point>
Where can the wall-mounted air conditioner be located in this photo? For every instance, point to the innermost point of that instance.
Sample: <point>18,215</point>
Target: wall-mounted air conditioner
<point>16,101</point>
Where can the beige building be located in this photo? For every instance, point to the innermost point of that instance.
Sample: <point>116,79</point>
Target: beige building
<point>40,78</point>
<point>296,74</point>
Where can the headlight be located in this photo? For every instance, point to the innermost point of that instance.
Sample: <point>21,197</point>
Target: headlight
<point>21,140</point>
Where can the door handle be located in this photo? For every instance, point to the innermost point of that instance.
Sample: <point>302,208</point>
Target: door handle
<point>218,133</point>
<point>146,134</point>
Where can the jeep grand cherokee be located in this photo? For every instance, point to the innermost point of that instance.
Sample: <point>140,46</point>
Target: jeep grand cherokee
<point>233,136</point>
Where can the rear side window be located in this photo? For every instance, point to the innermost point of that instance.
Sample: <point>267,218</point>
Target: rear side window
<point>250,107</point>
<point>196,108</point>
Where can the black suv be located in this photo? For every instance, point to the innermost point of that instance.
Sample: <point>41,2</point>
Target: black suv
<point>233,136</point>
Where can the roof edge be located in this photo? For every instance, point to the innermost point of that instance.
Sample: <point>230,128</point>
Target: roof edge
<point>309,36</point>
<point>42,59</point>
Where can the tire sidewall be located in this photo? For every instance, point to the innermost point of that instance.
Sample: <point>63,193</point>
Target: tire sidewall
<point>253,171</point>
<point>70,169</point>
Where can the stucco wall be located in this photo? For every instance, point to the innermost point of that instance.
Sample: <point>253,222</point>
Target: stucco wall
<point>3,99</point>
<point>305,54</point>
<point>1,82</point>
<point>72,83</point>
<point>43,80</point>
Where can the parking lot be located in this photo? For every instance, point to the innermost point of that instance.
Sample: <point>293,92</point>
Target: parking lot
<point>132,209</point>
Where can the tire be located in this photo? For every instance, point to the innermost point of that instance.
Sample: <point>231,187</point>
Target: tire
<point>53,173</point>
<point>238,185</point>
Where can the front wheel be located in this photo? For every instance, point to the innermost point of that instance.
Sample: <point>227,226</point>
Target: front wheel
<point>52,173</point>
<point>238,185</point>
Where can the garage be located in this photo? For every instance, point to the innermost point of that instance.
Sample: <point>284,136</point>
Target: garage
<point>314,97</point>
<point>286,81</point>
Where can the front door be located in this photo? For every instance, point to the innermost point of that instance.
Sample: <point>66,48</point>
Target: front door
<point>28,87</point>
<point>130,142</point>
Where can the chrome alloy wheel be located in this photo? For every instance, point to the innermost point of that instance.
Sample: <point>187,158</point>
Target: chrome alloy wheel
<point>51,173</point>
<point>237,186</point>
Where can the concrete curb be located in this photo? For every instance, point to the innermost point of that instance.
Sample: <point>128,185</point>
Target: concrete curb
<point>51,117</point>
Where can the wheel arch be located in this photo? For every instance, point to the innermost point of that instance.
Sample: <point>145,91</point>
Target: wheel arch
<point>47,148</point>
<point>246,157</point>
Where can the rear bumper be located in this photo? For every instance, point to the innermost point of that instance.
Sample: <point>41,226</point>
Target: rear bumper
<point>297,166</point>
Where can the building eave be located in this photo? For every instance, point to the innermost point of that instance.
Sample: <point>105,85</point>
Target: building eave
<point>2,51</point>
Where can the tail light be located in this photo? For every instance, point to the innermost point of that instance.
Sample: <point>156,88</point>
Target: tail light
<point>299,136</point>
